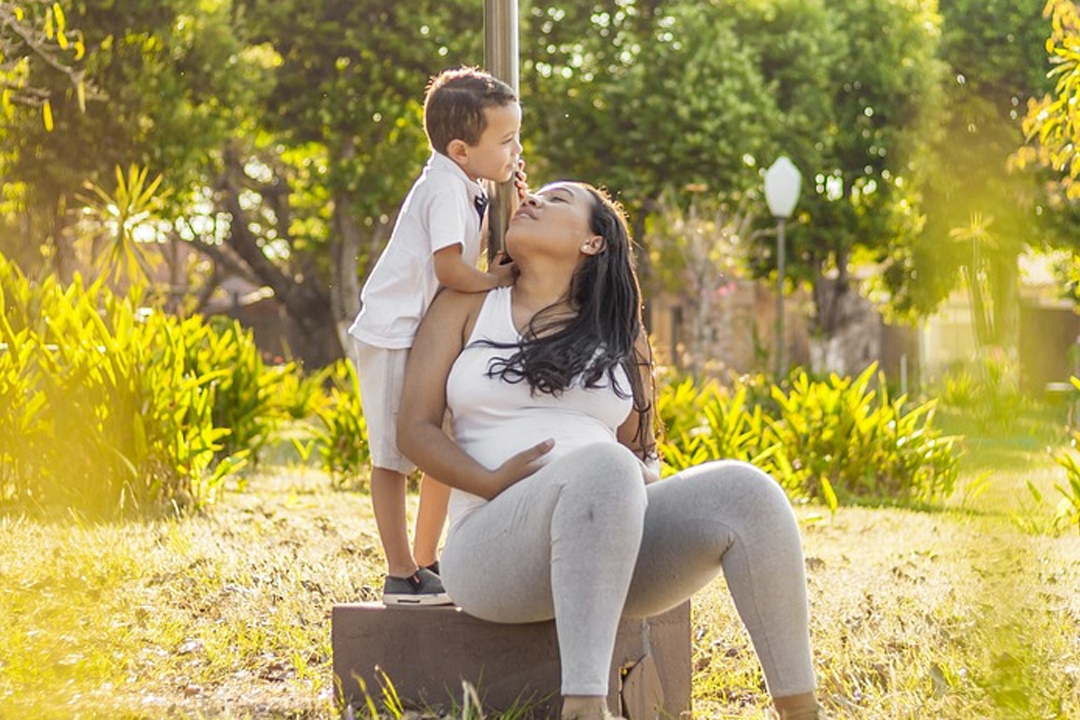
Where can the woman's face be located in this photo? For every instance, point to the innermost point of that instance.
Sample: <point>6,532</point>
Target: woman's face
<point>553,221</point>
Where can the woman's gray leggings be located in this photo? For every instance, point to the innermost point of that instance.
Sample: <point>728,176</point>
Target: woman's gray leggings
<point>585,541</point>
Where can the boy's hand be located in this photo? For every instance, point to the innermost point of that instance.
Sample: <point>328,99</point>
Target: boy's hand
<point>505,271</point>
<point>521,180</point>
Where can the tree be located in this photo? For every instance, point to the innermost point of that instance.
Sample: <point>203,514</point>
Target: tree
<point>170,76</point>
<point>340,140</point>
<point>653,98</point>
<point>968,183</point>
<point>35,41</point>
<point>287,134</point>
<point>36,30</point>
<point>1053,119</point>
<point>697,254</point>
<point>646,97</point>
<point>861,202</point>
<point>1052,124</point>
<point>642,97</point>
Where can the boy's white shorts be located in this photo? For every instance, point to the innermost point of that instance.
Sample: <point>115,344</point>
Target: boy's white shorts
<point>382,373</point>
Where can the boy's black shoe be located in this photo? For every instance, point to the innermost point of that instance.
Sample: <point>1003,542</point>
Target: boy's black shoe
<point>422,588</point>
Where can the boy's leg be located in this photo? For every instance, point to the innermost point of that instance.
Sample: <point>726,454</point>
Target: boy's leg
<point>380,374</point>
<point>406,584</point>
<point>430,518</point>
<point>388,501</point>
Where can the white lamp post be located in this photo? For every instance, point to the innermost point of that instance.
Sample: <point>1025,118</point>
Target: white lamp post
<point>782,183</point>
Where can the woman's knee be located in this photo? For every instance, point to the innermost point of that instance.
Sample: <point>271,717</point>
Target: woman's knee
<point>617,457</point>
<point>608,470</point>
<point>745,484</point>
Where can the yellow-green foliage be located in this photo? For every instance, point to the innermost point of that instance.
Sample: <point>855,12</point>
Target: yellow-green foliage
<point>298,395</point>
<point>982,391</point>
<point>108,408</point>
<point>1069,508</point>
<point>246,395</point>
<point>342,439</point>
<point>821,440</point>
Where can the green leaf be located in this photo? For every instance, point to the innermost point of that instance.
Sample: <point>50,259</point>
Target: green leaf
<point>827,494</point>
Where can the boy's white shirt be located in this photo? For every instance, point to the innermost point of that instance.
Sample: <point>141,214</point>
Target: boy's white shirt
<point>438,212</point>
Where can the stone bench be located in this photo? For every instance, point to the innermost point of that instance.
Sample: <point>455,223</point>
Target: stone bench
<point>427,653</point>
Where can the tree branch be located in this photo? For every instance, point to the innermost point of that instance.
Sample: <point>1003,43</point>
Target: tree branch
<point>242,240</point>
<point>224,259</point>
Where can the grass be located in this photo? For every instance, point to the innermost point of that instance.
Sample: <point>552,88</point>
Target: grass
<point>224,615</point>
<point>965,612</point>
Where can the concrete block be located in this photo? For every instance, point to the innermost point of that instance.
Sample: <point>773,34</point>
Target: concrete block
<point>427,652</point>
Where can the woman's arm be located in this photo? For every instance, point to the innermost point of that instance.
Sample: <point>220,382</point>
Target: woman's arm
<point>420,437</point>
<point>643,440</point>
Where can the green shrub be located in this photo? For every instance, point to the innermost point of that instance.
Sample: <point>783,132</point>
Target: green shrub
<point>1068,512</point>
<point>342,439</point>
<point>961,389</point>
<point>245,390</point>
<point>844,437</point>
<point>24,426</point>
<point>709,422</point>
<point>828,440</point>
<point>104,412</point>
<point>298,395</point>
<point>679,406</point>
<point>985,391</point>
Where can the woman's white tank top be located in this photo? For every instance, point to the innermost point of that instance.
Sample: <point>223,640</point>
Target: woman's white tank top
<point>493,419</point>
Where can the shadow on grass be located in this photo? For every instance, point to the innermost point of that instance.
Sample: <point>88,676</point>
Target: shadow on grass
<point>880,503</point>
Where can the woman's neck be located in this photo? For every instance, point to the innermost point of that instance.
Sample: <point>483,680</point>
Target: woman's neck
<point>534,292</point>
<point>539,289</point>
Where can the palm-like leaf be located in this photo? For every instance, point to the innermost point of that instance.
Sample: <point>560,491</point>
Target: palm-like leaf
<point>119,215</point>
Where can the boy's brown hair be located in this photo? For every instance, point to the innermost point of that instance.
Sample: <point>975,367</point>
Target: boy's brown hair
<point>455,102</point>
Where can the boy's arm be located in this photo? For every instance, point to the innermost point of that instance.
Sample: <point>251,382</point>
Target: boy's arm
<point>453,272</point>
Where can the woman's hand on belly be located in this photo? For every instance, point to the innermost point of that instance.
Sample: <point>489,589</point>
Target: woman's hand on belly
<point>519,466</point>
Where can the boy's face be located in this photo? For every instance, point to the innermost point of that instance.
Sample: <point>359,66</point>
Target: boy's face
<point>495,156</point>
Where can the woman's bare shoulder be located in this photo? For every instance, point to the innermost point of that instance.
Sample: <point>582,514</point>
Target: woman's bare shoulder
<point>452,301</point>
<point>454,311</point>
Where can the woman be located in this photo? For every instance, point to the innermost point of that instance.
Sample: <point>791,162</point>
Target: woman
<point>552,515</point>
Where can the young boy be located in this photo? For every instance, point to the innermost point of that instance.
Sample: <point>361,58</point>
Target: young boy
<point>472,121</point>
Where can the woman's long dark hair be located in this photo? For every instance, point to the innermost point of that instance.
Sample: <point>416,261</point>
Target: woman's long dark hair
<point>601,336</point>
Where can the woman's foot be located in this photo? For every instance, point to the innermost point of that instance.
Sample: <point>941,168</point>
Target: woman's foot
<point>799,707</point>
<point>807,714</point>
<point>586,707</point>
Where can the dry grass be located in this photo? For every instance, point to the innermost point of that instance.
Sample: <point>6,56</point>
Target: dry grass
<point>918,615</point>
<point>225,615</point>
<point>962,613</point>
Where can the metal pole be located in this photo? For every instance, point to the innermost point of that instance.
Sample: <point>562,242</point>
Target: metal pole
<point>501,59</point>
<point>780,250</point>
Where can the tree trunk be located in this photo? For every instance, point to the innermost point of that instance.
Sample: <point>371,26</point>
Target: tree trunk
<point>59,235</point>
<point>314,338</point>
<point>344,260</point>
